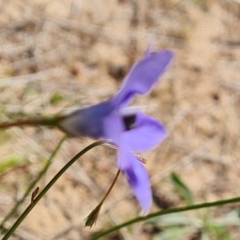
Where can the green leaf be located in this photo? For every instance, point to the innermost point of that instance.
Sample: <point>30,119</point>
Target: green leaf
<point>56,98</point>
<point>177,219</point>
<point>182,189</point>
<point>230,219</point>
<point>10,161</point>
<point>220,233</point>
<point>174,233</point>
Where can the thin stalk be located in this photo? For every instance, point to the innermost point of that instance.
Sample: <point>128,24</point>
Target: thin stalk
<point>92,217</point>
<point>110,188</point>
<point>47,187</point>
<point>43,121</point>
<point>48,163</point>
<point>164,212</point>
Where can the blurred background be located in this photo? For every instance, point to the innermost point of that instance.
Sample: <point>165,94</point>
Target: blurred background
<point>55,55</point>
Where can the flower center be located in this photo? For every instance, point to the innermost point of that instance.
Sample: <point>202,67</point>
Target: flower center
<point>129,121</point>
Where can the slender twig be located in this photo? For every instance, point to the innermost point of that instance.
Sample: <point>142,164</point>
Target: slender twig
<point>47,187</point>
<point>48,163</point>
<point>164,212</point>
<point>43,121</point>
<point>92,217</point>
<point>110,188</point>
<point>20,123</point>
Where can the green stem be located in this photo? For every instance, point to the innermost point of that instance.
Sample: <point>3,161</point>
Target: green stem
<point>47,187</point>
<point>44,121</point>
<point>164,212</point>
<point>48,163</point>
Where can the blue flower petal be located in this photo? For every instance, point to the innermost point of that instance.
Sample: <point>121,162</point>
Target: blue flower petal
<point>143,76</point>
<point>146,133</point>
<point>113,127</point>
<point>138,179</point>
<point>87,122</point>
<point>108,120</point>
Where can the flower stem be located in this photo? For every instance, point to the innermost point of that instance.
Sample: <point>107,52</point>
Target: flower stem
<point>43,121</point>
<point>92,217</point>
<point>168,211</point>
<point>110,188</point>
<point>47,187</point>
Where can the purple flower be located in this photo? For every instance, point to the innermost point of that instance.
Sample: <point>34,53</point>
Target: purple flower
<point>129,129</point>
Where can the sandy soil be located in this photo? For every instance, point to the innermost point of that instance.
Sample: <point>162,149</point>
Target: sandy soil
<point>81,51</point>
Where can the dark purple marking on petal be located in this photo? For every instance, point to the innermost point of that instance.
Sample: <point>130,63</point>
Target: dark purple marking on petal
<point>129,121</point>
<point>147,133</point>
